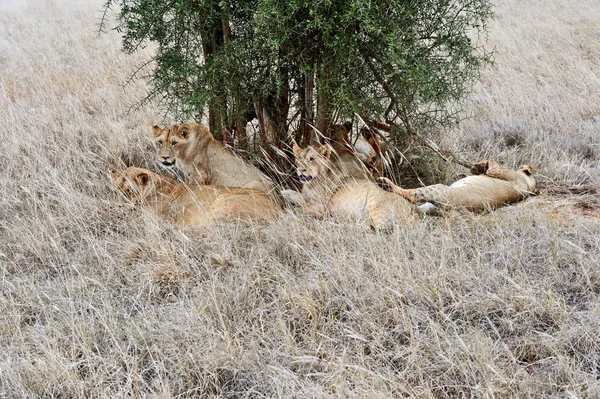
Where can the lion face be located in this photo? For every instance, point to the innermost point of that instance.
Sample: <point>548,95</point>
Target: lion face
<point>170,142</point>
<point>133,184</point>
<point>311,162</point>
<point>341,133</point>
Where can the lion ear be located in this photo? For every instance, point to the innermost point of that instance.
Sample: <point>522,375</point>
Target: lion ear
<point>324,151</point>
<point>184,132</point>
<point>366,132</point>
<point>156,130</point>
<point>142,179</point>
<point>297,149</point>
<point>527,169</point>
<point>348,125</point>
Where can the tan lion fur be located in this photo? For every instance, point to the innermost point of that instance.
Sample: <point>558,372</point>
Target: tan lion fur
<point>204,160</point>
<point>188,205</point>
<point>328,188</point>
<point>492,187</point>
<point>345,155</point>
<point>377,160</point>
<point>345,160</point>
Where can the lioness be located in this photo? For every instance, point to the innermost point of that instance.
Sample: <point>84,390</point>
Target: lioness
<point>376,159</point>
<point>204,160</point>
<point>345,155</point>
<point>344,158</point>
<point>329,188</point>
<point>491,186</point>
<point>192,205</point>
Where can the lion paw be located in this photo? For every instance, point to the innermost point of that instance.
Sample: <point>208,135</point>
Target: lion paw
<point>385,184</point>
<point>480,168</point>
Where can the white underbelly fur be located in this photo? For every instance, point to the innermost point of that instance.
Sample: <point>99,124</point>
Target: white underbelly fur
<point>459,183</point>
<point>428,208</point>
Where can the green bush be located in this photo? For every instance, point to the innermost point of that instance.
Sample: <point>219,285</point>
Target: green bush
<point>297,63</point>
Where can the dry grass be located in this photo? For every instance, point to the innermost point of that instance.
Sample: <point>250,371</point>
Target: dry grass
<point>105,304</point>
<point>540,102</point>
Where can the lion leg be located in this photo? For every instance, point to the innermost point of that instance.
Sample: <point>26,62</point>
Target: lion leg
<point>197,176</point>
<point>389,186</point>
<point>375,165</point>
<point>293,197</point>
<point>380,218</point>
<point>271,191</point>
<point>493,169</point>
<point>479,168</point>
<point>436,194</point>
<point>315,210</point>
<point>256,185</point>
<point>497,171</point>
<point>186,218</point>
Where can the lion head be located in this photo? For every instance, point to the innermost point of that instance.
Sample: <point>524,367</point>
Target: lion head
<point>528,171</point>
<point>341,133</point>
<point>312,162</point>
<point>170,142</point>
<point>133,184</point>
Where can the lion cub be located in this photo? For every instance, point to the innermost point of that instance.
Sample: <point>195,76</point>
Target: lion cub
<point>192,205</point>
<point>490,187</point>
<point>204,160</point>
<point>330,187</point>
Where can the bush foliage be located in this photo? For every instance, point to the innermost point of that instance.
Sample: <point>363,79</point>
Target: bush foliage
<point>301,63</point>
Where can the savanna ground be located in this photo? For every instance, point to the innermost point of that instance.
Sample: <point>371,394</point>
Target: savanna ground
<point>105,304</point>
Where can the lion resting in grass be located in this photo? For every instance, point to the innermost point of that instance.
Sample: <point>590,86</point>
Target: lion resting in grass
<point>192,205</point>
<point>204,160</point>
<point>345,194</point>
<point>344,158</point>
<point>491,187</point>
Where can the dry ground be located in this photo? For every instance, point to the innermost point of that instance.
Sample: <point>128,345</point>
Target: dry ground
<point>96,304</point>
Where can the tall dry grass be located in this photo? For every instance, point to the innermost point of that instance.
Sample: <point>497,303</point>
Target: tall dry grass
<point>540,102</point>
<point>105,304</point>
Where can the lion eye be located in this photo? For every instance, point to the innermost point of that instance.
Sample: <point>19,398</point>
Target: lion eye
<point>160,142</point>
<point>173,144</point>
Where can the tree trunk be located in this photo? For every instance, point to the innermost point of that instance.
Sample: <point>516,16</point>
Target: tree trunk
<point>264,121</point>
<point>207,50</point>
<point>308,111</point>
<point>232,126</point>
<point>282,108</point>
<point>241,133</point>
<point>241,120</point>
<point>211,41</point>
<point>323,106</point>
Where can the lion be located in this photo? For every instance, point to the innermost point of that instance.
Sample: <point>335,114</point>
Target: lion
<point>329,188</point>
<point>205,161</point>
<point>188,205</point>
<point>377,160</point>
<point>348,158</point>
<point>344,156</point>
<point>490,187</point>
